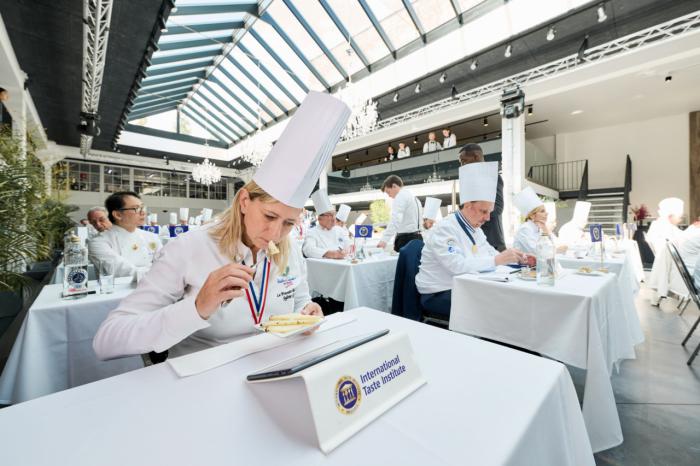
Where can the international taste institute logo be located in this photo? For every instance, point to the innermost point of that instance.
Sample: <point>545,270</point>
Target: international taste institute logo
<point>347,394</point>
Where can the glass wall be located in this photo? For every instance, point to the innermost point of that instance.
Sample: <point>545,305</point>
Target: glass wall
<point>85,176</point>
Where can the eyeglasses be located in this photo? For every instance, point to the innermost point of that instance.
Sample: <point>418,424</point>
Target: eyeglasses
<point>138,210</point>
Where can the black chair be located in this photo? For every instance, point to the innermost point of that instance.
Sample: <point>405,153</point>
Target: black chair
<point>692,290</point>
<point>406,299</point>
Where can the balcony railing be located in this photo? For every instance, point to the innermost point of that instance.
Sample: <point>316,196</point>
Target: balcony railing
<point>563,176</point>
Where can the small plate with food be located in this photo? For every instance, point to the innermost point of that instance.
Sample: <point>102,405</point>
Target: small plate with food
<point>287,325</point>
<point>527,274</point>
<point>590,271</point>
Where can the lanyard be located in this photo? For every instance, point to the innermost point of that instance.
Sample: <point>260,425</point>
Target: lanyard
<point>258,301</point>
<point>463,223</point>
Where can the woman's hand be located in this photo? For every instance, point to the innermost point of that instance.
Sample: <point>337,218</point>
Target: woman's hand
<point>510,256</point>
<point>544,228</point>
<point>223,284</point>
<point>311,309</point>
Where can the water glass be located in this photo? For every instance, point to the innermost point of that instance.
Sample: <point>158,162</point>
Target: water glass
<point>106,276</point>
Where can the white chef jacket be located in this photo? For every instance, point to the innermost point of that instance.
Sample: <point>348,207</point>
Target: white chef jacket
<point>431,146</point>
<point>696,274</point>
<point>161,314</point>
<point>689,247</point>
<point>129,251</point>
<point>405,215</point>
<point>527,236</point>
<point>570,233</point>
<point>319,241</point>
<point>448,251</point>
<point>403,153</point>
<point>449,141</point>
<point>659,231</point>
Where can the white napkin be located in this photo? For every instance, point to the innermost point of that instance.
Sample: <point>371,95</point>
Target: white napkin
<point>202,361</point>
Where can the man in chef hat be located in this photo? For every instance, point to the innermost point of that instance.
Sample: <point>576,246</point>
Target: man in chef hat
<point>326,240</point>
<point>341,218</point>
<point>665,227</point>
<point>431,214</point>
<point>572,232</point>
<point>457,245</point>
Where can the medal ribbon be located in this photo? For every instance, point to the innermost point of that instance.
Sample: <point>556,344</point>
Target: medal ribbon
<point>258,301</point>
<point>463,223</point>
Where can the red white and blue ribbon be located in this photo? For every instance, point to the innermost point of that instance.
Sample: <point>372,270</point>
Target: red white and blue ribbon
<point>257,301</point>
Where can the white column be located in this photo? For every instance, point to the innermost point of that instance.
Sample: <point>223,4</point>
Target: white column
<point>513,156</point>
<point>47,176</point>
<point>19,124</point>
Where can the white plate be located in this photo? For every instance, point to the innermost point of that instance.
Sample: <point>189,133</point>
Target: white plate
<point>260,328</point>
<point>526,278</point>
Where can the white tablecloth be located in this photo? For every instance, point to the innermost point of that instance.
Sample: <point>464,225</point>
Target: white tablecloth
<point>664,276</point>
<point>475,409</point>
<point>61,270</point>
<point>369,283</point>
<point>579,321</point>
<point>53,350</point>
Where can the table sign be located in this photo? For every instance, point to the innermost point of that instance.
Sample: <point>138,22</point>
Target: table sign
<point>176,230</point>
<point>597,237</point>
<point>342,395</point>
<point>151,228</point>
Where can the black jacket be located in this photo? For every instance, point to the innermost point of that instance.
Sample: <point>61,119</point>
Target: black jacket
<point>493,229</point>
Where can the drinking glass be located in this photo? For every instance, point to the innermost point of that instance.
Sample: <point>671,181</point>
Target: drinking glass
<point>106,276</point>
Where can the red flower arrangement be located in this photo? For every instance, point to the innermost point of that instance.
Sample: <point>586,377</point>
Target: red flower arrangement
<point>640,213</point>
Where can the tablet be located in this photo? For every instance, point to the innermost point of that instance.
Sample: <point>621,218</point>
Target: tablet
<point>310,358</point>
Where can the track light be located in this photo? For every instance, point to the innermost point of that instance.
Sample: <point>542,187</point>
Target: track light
<point>474,65</point>
<point>582,49</point>
<point>417,89</point>
<point>347,158</point>
<point>551,33</point>
<point>415,140</point>
<point>396,97</point>
<point>486,121</point>
<point>529,111</point>
<point>602,16</point>
<point>453,93</point>
<point>443,78</point>
<point>509,51</point>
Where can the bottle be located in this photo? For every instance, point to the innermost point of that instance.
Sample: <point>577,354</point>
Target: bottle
<point>75,277</point>
<point>546,260</point>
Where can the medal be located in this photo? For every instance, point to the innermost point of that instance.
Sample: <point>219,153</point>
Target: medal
<point>257,301</point>
<point>474,249</point>
<point>135,247</point>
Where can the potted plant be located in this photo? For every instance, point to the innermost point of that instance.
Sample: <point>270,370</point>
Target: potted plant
<point>640,213</point>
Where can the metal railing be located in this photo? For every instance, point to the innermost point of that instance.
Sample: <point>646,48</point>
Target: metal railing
<point>562,176</point>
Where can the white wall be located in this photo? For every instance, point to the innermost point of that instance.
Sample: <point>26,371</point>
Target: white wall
<point>540,151</point>
<point>659,149</point>
<point>156,204</point>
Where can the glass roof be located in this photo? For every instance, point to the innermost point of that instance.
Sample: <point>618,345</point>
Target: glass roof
<point>230,65</point>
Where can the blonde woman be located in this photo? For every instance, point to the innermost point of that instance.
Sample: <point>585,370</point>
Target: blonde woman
<point>530,205</point>
<point>213,285</point>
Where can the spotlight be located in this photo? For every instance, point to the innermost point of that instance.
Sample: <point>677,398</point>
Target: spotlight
<point>668,78</point>
<point>486,121</point>
<point>529,111</point>
<point>453,93</point>
<point>396,97</point>
<point>602,16</point>
<point>582,50</point>
<point>484,137</point>
<point>347,158</point>
<point>474,65</point>
<point>415,140</point>
<point>417,89</point>
<point>509,51</point>
<point>443,78</point>
<point>551,33</point>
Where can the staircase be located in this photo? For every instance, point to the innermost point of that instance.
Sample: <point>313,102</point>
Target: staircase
<point>607,208</point>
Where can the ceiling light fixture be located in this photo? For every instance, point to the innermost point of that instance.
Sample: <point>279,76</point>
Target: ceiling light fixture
<point>577,112</point>
<point>443,78</point>
<point>347,158</point>
<point>453,93</point>
<point>529,111</point>
<point>415,140</point>
<point>509,51</point>
<point>602,16</point>
<point>486,121</point>
<point>474,65</point>
<point>396,97</point>
<point>417,89</point>
<point>551,33</point>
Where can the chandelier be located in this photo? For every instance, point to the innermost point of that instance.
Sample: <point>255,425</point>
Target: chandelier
<point>363,111</point>
<point>434,178</point>
<point>255,148</point>
<point>367,186</point>
<point>206,173</point>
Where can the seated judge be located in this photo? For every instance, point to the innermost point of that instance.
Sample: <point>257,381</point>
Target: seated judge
<point>99,219</point>
<point>213,285</point>
<point>326,240</point>
<point>689,245</point>
<point>536,222</point>
<point>573,231</point>
<point>125,244</point>
<point>665,227</point>
<point>457,245</point>
<point>431,214</point>
<point>341,218</point>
